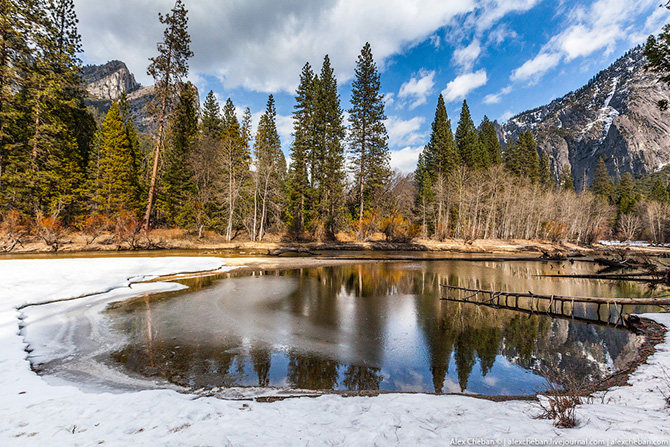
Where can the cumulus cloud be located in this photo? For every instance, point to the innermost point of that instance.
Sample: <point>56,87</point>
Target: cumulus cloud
<point>404,132</point>
<point>465,57</point>
<point>535,68</point>
<point>418,88</point>
<point>404,160</point>
<point>261,45</point>
<point>464,84</point>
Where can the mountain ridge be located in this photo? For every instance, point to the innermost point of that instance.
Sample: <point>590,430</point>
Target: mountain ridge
<point>614,116</point>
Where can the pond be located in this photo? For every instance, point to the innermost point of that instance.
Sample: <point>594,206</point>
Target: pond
<point>372,326</point>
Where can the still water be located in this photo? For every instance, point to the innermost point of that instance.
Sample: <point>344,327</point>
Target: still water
<point>373,326</point>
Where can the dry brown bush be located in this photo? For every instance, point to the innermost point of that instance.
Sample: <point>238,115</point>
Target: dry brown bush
<point>13,228</point>
<point>51,230</point>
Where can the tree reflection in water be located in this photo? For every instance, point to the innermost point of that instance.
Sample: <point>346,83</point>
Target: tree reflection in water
<point>367,327</point>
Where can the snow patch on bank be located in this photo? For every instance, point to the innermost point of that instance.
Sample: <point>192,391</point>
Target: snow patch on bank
<point>34,412</point>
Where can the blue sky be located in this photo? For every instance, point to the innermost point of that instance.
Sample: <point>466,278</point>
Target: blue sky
<point>503,56</point>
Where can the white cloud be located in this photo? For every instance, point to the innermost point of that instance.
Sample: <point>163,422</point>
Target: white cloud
<point>405,159</point>
<point>464,84</point>
<point>495,98</point>
<point>465,57</point>
<point>404,132</point>
<point>653,25</point>
<point>593,28</point>
<point>505,116</point>
<point>418,88</point>
<point>580,41</point>
<point>285,128</point>
<point>261,45</point>
<point>535,68</point>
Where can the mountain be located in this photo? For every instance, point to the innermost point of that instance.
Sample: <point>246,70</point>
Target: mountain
<point>106,83</point>
<point>615,116</point>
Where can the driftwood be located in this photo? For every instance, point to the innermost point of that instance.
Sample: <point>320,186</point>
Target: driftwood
<point>556,306</point>
<point>575,299</point>
<point>297,250</point>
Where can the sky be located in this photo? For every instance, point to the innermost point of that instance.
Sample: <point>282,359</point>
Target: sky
<point>502,56</point>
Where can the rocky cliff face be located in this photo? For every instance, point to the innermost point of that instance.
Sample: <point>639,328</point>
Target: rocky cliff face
<point>109,81</point>
<point>615,116</point>
<point>106,83</point>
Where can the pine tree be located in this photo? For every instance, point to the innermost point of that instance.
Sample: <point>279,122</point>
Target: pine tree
<point>211,116</point>
<point>131,132</point>
<point>303,141</point>
<point>566,181</point>
<point>167,69</point>
<point>367,134</point>
<point>602,185</point>
<point>521,157</point>
<point>440,158</point>
<point>61,129</point>
<point>15,35</point>
<point>625,192</point>
<point>441,153</point>
<point>545,170</point>
<point>235,164</point>
<point>659,191</point>
<point>328,154</point>
<point>490,143</point>
<point>177,188</point>
<point>270,170</point>
<point>468,143</point>
<point>116,188</point>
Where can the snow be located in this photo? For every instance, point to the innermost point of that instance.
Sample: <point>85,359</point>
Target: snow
<point>35,412</point>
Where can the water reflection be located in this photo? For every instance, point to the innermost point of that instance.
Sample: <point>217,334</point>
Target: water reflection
<point>374,326</point>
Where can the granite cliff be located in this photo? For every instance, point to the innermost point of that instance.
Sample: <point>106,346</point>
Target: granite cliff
<point>615,116</point>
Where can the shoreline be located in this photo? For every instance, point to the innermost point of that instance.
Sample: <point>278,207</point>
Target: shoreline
<point>276,247</point>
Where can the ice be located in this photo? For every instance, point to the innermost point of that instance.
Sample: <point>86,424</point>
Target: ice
<point>34,412</point>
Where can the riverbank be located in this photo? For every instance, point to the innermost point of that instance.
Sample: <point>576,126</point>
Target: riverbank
<point>180,241</point>
<point>34,411</point>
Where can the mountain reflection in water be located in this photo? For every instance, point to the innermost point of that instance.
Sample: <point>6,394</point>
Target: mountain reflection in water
<point>377,326</point>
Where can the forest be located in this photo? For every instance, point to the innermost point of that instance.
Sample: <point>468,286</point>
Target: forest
<point>205,170</point>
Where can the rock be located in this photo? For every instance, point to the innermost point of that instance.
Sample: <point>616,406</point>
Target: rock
<point>615,116</point>
<point>109,81</point>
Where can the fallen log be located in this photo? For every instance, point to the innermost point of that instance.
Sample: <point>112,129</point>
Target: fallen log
<point>661,301</point>
<point>297,250</point>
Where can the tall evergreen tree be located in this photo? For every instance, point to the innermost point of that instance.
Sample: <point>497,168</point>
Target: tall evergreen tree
<point>566,181</point>
<point>16,22</point>
<point>625,192</point>
<point>303,141</point>
<point>659,191</point>
<point>602,185</point>
<point>440,158</point>
<point>441,154</point>
<point>211,116</point>
<point>521,157</point>
<point>270,169</point>
<point>167,69</point>
<point>367,134</point>
<point>177,187</point>
<point>328,154</point>
<point>116,188</point>
<point>61,128</point>
<point>545,170</point>
<point>490,143</point>
<point>235,164</point>
<point>469,145</point>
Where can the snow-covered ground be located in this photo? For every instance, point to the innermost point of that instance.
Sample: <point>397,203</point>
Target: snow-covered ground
<point>34,412</point>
